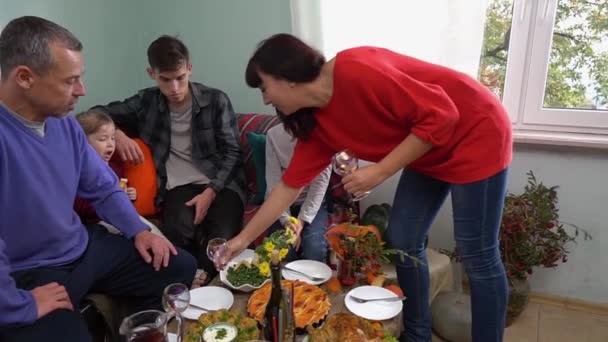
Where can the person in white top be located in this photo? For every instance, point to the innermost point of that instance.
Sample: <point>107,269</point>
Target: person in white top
<point>310,208</point>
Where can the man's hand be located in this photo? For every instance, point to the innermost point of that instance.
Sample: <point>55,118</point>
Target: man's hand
<point>51,297</point>
<point>364,179</point>
<point>201,203</point>
<point>127,148</point>
<point>161,249</point>
<point>132,193</point>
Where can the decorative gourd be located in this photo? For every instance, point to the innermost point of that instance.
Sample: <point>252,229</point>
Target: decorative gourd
<point>377,215</point>
<point>395,289</point>
<point>333,285</point>
<point>379,280</point>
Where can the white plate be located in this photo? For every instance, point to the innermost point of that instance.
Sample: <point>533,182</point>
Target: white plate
<point>212,297</point>
<point>247,254</point>
<point>379,310</point>
<point>171,337</point>
<point>311,267</point>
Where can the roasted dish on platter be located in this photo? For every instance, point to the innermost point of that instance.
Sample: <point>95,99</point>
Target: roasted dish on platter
<point>310,303</point>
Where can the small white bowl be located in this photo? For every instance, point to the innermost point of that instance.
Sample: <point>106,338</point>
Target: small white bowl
<point>244,287</point>
<point>212,329</point>
<point>247,254</point>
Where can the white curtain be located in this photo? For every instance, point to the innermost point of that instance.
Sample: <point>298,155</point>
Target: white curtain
<point>447,32</point>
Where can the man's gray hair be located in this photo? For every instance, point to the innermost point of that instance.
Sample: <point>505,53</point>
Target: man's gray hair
<point>26,41</point>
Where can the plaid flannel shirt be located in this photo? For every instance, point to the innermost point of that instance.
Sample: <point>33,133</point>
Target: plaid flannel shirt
<point>215,137</point>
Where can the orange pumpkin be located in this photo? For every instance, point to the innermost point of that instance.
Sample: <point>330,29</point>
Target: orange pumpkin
<point>395,289</point>
<point>333,285</point>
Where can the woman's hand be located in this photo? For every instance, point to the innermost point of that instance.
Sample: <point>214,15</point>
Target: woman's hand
<point>234,247</point>
<point>296,225</point>
<point>364,179</point>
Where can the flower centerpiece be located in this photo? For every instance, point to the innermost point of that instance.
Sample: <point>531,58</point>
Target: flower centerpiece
<point>280,240</point>
<point>531,235</point>
<point>361,250</point>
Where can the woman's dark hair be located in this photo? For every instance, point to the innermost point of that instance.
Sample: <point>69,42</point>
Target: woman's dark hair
<point>167,53</point>
<point>286,57</point>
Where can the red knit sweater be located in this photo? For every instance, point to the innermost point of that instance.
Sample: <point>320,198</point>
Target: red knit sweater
<point>84,209</point>
<point>380,97</point>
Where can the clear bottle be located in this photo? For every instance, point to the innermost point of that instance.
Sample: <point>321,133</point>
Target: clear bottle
<point>278,323</point>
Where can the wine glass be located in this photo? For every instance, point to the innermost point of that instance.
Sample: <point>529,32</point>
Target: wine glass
<point>176,299</point>
<point>345,163</point>
<point>215,248</point>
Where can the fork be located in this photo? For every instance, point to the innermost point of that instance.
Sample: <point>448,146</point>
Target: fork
<point>313,278</point>
<point>387,299</point>
<point>197,306</point>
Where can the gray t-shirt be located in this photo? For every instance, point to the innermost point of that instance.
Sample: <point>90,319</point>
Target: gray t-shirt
<point>36,127</point>
<point>180,169</point>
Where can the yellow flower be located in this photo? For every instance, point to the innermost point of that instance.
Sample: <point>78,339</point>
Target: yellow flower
<point>264,269</point>
<point>290,236</point>
<point>283,253</point>
<point>269,246</point>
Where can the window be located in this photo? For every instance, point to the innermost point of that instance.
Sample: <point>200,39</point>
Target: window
<point>546,59</point>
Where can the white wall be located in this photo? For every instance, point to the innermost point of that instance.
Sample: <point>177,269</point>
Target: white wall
<point>583,200</point>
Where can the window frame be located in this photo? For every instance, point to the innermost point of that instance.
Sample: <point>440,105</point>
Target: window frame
<point>525,80</point>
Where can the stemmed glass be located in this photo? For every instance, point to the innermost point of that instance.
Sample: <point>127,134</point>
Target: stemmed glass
<point>215,249</point>
<point>345,163</point>
<point>176,299</point>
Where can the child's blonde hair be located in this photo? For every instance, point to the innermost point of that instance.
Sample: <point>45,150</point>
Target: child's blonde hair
<point>92,120</point>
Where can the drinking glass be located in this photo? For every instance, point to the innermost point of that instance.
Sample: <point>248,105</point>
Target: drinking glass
<point>345,163</point>
<point>176,299</point>
<point>215,248</point>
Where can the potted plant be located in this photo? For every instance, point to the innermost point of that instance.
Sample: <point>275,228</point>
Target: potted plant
<point>531,235</point>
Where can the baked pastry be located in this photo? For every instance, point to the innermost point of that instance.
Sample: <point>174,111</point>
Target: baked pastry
<point>310,303</point>
<point>345,327</point>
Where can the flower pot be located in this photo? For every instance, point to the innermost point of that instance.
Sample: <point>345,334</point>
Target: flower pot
<point>519,295</point>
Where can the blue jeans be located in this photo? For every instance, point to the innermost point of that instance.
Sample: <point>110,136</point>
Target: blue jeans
<point>477,209</point>
<point>314,244</point>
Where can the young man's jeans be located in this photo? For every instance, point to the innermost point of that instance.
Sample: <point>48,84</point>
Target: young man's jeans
<point>314,244</point>
<point>477,209</point>
<point>110,265</point>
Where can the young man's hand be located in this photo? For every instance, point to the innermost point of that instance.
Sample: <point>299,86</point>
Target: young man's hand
<point>127,148</point>
<point>201,204</point>
<point>51,297</point>
<point>154,248</point>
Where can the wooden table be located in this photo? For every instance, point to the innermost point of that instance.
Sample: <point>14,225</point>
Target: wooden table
<point>440,270</point>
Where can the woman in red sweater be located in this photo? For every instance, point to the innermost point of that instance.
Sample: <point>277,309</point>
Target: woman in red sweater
<point>442,128</point>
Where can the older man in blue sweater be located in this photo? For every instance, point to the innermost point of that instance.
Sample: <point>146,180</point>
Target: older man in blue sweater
<point>48,260</point>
